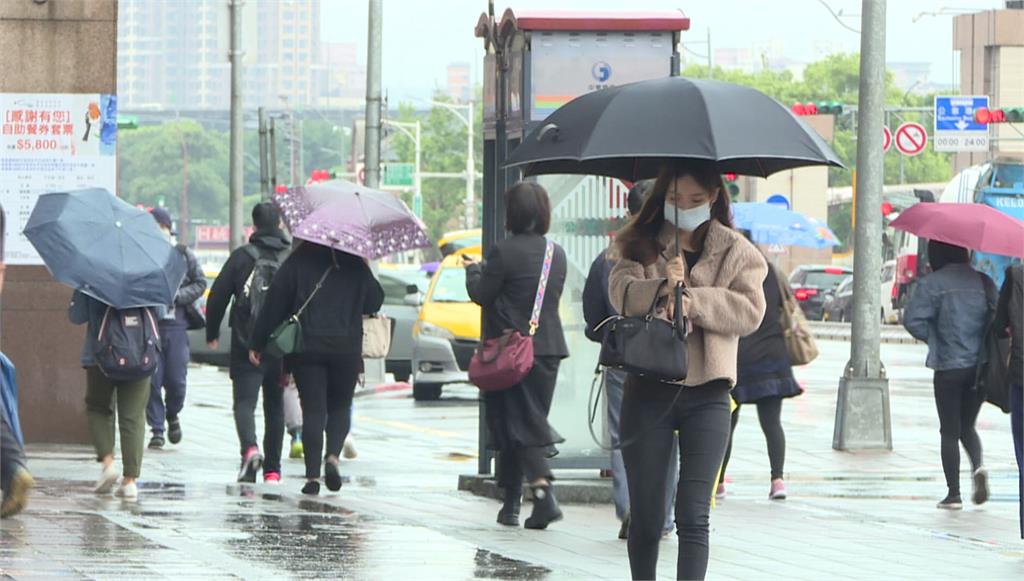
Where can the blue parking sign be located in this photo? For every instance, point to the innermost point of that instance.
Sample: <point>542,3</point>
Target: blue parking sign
<point>956,113</point>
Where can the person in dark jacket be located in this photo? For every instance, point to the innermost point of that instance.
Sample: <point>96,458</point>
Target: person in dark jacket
<point>505,285</point>
<point>338,289</point>
<point>596,308</point>
<point>949,309</point>
<point>764,376</point>
<point>168,383</point>
<point>1010,320</point>
<point>268,241</point>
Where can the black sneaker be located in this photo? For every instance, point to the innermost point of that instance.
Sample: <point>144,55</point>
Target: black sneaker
<point>951,502</point>
<point>332,477</point>
<point>174,430</point>
<point>311,488</point>
<point>980,486</point>
<point>156,442</point>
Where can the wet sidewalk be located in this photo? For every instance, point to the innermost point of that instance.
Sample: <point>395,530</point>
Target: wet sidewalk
<point>849,516</point>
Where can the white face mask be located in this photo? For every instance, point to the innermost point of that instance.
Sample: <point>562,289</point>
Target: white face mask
<point>688,220</point>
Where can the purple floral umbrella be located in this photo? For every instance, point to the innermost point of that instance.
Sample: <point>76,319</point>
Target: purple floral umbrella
<point>351,218</point>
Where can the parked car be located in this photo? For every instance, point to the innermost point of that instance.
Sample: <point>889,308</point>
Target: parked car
<point>890,314</point>
<point>198,350</point>
<point>811,284</point>
<point>838,303</point>
<point>447,331</point>
<point>403,287</point>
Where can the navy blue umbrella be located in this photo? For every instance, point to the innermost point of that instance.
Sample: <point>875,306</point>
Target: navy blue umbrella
<point>105,247</point>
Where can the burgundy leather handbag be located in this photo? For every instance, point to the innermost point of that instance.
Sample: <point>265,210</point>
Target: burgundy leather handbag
<point>503,362</point>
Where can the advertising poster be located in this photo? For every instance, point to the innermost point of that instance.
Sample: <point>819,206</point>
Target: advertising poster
<point>52,143</point>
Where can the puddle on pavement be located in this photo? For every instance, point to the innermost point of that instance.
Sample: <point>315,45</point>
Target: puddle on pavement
<point>278,533</point>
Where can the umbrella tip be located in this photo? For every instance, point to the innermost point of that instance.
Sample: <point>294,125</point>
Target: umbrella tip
<point>549,128</point>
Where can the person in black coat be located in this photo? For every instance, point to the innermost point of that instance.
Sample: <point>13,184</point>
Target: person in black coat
<point>505,285</point>
<point>338,289</point>
<point>268,242</point>
<point>765,377</point>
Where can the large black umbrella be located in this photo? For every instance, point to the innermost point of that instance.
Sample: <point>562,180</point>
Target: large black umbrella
<point>629,131</point>
<point>105,247</point>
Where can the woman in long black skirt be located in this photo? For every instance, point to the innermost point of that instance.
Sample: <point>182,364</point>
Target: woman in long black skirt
<point>505,285</point>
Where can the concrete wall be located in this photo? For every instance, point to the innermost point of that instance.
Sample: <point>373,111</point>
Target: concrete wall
<point>806,190</point>
<point>62,46</point>
<point>1000,35</point>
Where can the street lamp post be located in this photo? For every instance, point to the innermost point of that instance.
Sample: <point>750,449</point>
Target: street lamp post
<point>414,135</point>
<point>470,165</point>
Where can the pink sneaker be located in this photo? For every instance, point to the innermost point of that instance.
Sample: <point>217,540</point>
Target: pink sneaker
<point>720,493</point>
<point>252,461</point>
<point>272,478</point>
<point>778,490</point>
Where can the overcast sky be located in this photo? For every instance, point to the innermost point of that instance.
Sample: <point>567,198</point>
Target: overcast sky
<point>421,37</point>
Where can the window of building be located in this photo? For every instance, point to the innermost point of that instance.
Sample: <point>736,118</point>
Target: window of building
<point>288,43</point>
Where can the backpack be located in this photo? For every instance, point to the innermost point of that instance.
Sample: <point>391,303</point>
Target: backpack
<point>254,291</point>
<point>128,344</point>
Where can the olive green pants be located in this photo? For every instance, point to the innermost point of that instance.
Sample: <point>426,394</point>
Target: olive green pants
<point>101,394</point>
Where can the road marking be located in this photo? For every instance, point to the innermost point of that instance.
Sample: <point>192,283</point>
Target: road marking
<point>409,427</point>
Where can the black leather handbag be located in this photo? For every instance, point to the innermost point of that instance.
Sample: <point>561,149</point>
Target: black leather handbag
<point>647,346</point>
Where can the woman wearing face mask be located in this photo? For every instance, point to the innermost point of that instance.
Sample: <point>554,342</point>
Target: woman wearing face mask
<point>683,235</point>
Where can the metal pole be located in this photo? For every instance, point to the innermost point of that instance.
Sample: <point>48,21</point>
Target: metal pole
<point>294,178</point>
<point>237,183</point>
<point>300,148</point>
<point>862,411</point>
<point>470,167</point>
<point>373,94</point>
<point>264,170</point>
<point>417,203</point>
<point>272,146</point>
<point>709,53</point>
<point>184,219</point>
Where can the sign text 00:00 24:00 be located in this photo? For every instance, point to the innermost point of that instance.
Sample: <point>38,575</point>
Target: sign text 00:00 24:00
<point>961,140</point>
<point>37,144</point>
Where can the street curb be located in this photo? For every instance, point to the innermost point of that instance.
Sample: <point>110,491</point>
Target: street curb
<point>579,491</point>
<point>824,331</point>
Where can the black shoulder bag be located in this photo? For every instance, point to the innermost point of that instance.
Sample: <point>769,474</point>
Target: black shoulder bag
<point>647,346</point>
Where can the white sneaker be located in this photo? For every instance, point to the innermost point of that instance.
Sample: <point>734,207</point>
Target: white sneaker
<point>128,491</point>
<point>349,449</point>
<point>107,480</point>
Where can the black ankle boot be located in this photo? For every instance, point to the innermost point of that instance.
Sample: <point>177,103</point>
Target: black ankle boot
<point>509,513</point>
<point>545,508</point>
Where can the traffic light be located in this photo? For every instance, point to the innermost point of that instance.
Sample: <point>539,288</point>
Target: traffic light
<point>319,175</point>
<point>281,188</point>
<point>819,108</point>
<point>1004,115</point>
<point>731,186</point>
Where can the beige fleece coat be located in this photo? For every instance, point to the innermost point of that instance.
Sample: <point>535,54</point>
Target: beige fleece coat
<point>726,297</point>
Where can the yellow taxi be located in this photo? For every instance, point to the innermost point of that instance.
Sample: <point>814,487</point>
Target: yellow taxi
<point>447,330</point>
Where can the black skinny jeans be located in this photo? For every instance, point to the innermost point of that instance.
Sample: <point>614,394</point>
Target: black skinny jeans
<point>326,384</point>
<point>957,401</point>
<point>246,382</point>
<point>769,414</point>
<point>701,416</point>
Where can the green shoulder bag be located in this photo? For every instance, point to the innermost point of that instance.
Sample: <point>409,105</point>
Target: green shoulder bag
<point>287,337</point>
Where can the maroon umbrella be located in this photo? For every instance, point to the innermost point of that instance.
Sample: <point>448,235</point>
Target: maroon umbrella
<point>352,218</point>
<point>974,226</point>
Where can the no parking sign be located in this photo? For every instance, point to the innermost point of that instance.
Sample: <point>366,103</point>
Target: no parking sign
<point>911,138</point>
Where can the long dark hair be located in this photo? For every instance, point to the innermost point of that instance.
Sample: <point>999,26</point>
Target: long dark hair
<point>638,240</point>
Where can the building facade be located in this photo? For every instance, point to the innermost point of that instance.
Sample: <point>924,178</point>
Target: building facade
<point>175,54</point>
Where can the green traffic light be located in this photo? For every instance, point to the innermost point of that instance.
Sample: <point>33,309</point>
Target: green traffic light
<point>1015,114</point>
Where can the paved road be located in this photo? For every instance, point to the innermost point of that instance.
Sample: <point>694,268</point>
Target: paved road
<point>857,516</point>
